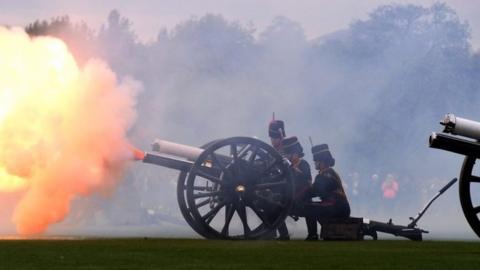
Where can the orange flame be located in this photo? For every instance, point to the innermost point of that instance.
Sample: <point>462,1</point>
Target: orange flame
<point>62,127</point>
<point>137,153</point>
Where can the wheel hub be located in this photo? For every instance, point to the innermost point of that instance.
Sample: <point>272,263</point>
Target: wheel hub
<point>240,189</point>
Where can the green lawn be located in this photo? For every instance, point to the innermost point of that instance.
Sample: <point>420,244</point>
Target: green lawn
<point>207,254</point>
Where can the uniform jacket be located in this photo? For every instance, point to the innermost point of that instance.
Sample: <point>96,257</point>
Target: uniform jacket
<point>328,186</point>
<point>302,178</point>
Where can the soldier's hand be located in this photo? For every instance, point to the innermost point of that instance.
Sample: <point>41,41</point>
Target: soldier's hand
<point>295,165</point>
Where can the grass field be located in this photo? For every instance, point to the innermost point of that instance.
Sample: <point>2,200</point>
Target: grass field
<point>207,254</point>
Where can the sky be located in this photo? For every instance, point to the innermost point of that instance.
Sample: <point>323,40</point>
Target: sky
<point>318,17</point>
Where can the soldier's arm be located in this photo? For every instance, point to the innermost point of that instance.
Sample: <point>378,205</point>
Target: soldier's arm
<point>305,172</point>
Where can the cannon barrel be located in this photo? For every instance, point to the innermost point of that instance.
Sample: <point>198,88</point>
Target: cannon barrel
<point>461,126</point>
<point>179,156</point>
<point>168,162</point>
<point>176,149</point>
<point>176,156</point>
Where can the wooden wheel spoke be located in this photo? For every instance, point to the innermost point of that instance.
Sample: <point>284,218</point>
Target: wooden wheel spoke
<point>221,164</point>
<point>202,173</point>
<point>234,170</point>
<point>208,217</point>
<point>262,216</point>
<point>203,203</point>
<point>269,167</point>
<point>242,213</point>
<point>244,150</point>
<point>234,152</point>
<point>201,188</point>
<point>474,179</point>
<point>229,211</point>
<point>206,194</point>
<point>262,152</point>
<point>251,159</point>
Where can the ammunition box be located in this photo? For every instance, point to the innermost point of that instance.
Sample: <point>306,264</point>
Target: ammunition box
<point>342,229</point>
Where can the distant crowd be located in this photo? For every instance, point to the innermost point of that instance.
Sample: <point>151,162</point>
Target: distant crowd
<point>388,194</point>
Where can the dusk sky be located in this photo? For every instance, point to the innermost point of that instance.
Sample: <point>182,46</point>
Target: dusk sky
<point>318,17</point>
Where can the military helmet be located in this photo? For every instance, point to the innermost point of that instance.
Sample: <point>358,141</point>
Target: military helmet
<point>322,153</point>
<point>276,129</point>
<point>292,146</point>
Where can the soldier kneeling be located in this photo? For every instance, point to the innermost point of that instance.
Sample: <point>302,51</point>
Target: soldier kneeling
<point>328,186</point>
<point>302,177</point>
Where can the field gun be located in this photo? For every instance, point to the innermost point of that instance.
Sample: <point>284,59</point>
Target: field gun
<point>242,188</point>
<point>464,140</point>
<point>249,178</point>
<point>234,188</point>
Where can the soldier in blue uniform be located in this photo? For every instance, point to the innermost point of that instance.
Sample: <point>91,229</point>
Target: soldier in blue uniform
<point>303,182</point>
<point>328,186</point>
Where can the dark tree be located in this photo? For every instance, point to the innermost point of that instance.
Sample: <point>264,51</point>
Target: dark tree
<point>78,36</point>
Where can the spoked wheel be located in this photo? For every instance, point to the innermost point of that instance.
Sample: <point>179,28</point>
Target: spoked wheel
<point>467,178</point>
<point>238,188</point>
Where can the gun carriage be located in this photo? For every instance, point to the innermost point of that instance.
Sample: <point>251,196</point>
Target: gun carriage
<point>246,178</point>
<point>464,140</point>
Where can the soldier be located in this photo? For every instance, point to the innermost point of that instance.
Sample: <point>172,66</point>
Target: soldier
<point>303,181</point>
<point>276,132</point>
<point>327,186</point>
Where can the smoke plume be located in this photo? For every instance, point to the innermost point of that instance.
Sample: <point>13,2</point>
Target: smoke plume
<point>62,127</point>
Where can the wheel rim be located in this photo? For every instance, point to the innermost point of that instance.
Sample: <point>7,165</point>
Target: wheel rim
<point>466,179</point>
<point>238,188</point>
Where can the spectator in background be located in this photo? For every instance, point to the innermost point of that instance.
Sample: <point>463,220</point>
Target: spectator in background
<point>390,189</point>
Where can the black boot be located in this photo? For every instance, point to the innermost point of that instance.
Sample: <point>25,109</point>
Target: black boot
<point>283,232</point>
<point>311,228</point>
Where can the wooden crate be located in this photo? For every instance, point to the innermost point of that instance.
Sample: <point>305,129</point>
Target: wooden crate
<point>342,229</point>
